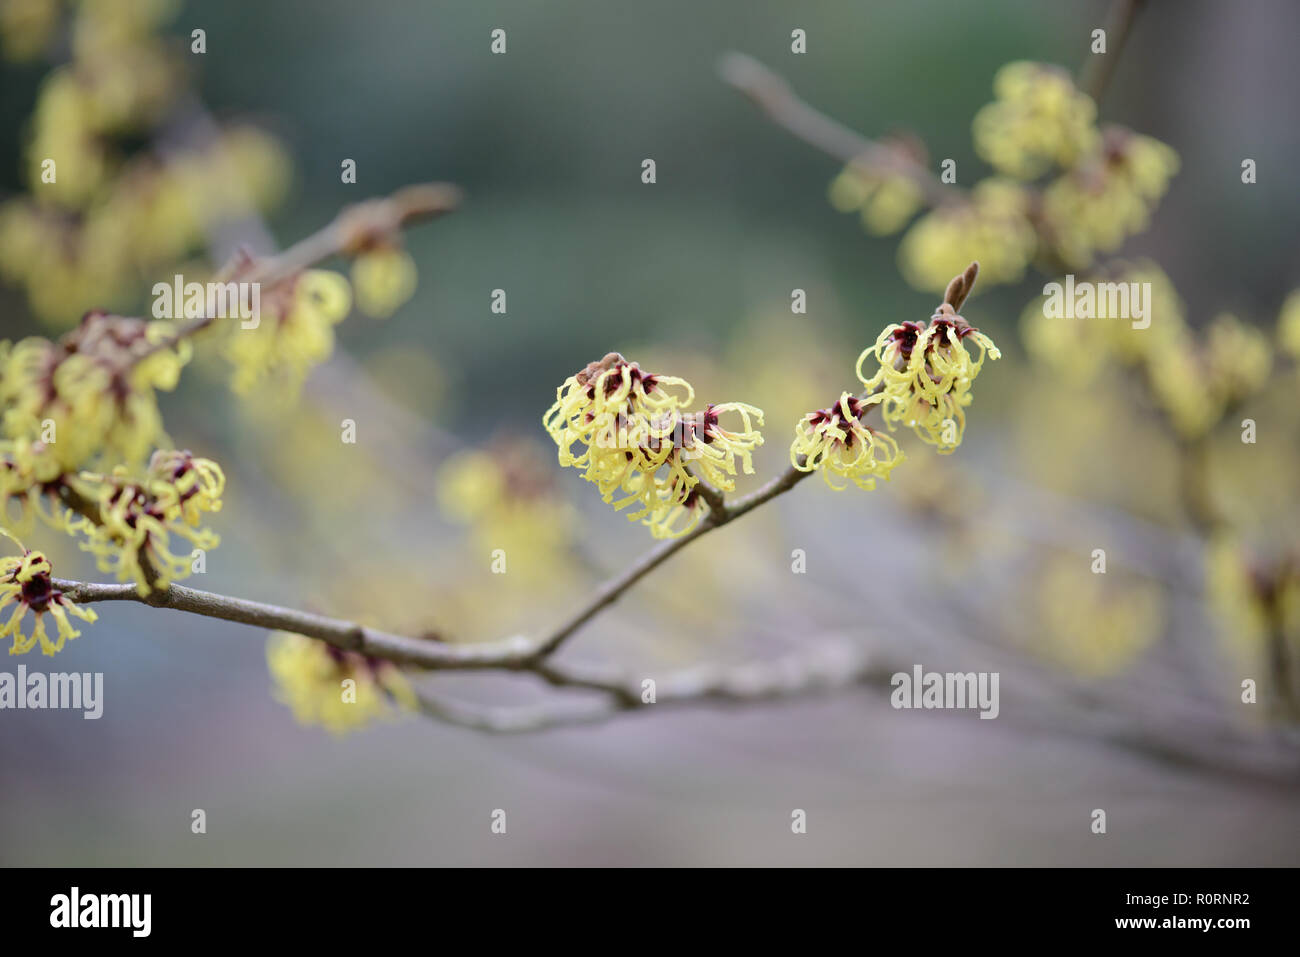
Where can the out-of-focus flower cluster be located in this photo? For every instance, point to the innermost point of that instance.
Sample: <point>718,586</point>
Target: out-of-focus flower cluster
<point>1101,187</point>
<point>78,420</point>
<point>632,434</point>
<point>1037,120</point>
<point>992,225</point>
<point>1257,602</point>
<point>1092,625</point>
<point>295,332</point>
<point>91,395</point>
<point>1098,203</point>
<point>1196,377</point>
<point>339,690</point>
<point>97,221</point>
<point>383,272</point>
<point>503,494</point>
<point>87,401</point>
<point>885,198</point>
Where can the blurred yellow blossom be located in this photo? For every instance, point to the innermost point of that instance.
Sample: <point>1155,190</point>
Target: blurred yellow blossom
<point>1096,206</point>
<point>886,200</point>
<point>295,331</point>
<point>992,225</point>
<point>338,690</point>
<point>1038,119</point>
<point>384,279</point>
<point>1256,600</point>
<point>91,396</point>
<point>1093,625</point>
<point>504,495</point>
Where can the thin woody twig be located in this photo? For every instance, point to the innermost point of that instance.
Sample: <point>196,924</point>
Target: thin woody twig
<point>348,230</point>
<point>610,592</point>
<point>770,92</point>
<point>1097,70</point>
<point>418,652</point>
<point>518,653</point>
<point>796,676</point>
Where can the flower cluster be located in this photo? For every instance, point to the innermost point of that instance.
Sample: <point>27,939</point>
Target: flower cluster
<point>923,381</point>
<point>1037,120</point>
<point>383,272</point>
<point>884,198</point>
<point>838,442</point>
<point>99,215</point>
<point>340,690</point>
<point>1256,599</point>
<point>1194,377</point>
<point>503,494</point>
<point>631,433</point>
<point>993,225</point>
<point>1091,625</point>
<point>27,585</point>
<point>88,398</point>
<point>131,524</point>
<point>1099,203</point>
<point>1100,186</point>
<point>295,331</point>
<point>925,375</point>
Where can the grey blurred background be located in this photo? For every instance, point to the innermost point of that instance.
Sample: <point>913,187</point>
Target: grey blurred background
<point>547,141</point>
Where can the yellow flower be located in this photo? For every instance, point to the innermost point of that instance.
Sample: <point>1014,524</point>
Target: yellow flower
<point>632,435</point>
<point>1107,198</point>
<point>26,583</point>
<point>295,332</point>
<point>131,532</point>
<point>340,690</point>
<point>925,375</point>
<point>502,493</point>
<point>836,441</point>
<point>993,226</point>
<point>90,396</point>
<point>384,279</point>
<point>612,404</point>
<point>63,129</point>
<point>885,200</point>
<point>1197,383</point>
<point>711,450</point>
<point>1079,349</point>
<point>1235,594</point>
<point>27,480</point>
<point>1238,358</point>
<point>26,27</point>
<point>1256,601</point>
<point>1094,625</point>
<point>1037,120</point>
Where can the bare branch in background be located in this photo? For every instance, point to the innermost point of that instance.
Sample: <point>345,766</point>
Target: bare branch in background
<point>1097,70</point>
<point>772,94</point>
